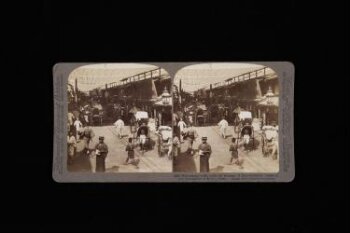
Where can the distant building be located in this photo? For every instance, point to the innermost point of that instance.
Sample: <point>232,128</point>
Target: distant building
<point>250,90</point>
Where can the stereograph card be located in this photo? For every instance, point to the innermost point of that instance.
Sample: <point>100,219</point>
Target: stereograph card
<point>173,122</point>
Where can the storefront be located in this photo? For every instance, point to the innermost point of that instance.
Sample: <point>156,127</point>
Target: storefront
<point>268,108</point>
<point>162,108</point>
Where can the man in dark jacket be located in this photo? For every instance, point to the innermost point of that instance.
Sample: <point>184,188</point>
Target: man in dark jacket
<point>204,150</point>
<point>101,151</point>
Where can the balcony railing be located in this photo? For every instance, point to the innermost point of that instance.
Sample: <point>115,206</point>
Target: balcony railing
<point>135,78</point>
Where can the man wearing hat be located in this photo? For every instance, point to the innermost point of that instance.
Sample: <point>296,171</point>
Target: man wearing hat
<point>204,150</point>
<point>101,151</point>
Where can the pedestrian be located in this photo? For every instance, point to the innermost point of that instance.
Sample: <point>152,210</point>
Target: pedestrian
<point>78,128</point>
<point>88,134</point>
<point>182,125</point>
<point>143,139</point>
<point>234,153</point>
<point>186,148</point>
<point>223,127</point>
<point>71,119</point>
<point>72,146</point>
<point>247,132</point>
<point>275,126</point>
<point>176,144</point>
<point>191,133</point>
<point>237,110</point>
<point>131,159</point>
<point>81,116</point>
<point>86,116</point>
<point>170,147</point>
<point>270,140</point>
<point>143,127</point>
<point>204,150</point>
<point>101,151</point>
<point>119,124</point>
<point>156,120</point>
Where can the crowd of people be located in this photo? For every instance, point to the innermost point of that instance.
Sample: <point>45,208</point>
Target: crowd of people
<point>181,141</point>
<point>243,139</point>
<point>79,132</point>
<point>186,134</point>
<point>83,133</point>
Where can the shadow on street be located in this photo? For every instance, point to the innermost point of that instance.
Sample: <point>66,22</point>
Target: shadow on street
<point>80,163</point>
<point>184,163</point>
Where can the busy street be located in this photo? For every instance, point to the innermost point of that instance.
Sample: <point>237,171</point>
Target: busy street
<point>253,161</point>
<point>119,119</point>
<point>230,125</point>
<point>137,119</point>
<point>150,161</point>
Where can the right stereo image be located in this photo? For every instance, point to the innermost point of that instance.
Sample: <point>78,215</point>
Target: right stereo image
<point>225,118</point>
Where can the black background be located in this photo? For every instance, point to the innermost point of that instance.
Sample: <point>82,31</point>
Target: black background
<point>38,35</point>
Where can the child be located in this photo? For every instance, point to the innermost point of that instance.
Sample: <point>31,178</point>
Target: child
<point>131,154</point>
<point>234,154</point>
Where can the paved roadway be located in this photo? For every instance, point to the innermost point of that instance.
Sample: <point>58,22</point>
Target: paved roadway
<point>152,162</point>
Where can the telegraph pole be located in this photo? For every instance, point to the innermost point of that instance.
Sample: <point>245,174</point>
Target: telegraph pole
<point>180,94</point>
<point>76,91</point>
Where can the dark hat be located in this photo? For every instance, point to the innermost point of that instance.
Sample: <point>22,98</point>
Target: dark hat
<point>204,138</point>
<point>101,138</point>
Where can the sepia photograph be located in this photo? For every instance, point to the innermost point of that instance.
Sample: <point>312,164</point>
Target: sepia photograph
<point>174,122</point>
<point>225,118</point>
<point>119,118</point>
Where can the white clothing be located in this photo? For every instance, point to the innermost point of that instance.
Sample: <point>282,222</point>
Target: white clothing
<point>70,118</point>
<point>181,125</point>
<point>143,139</point>
<point>119,123</point>
<point>223,123</point>
<point>78,125</point>
<point>120,126</point>
<point>246,138</point>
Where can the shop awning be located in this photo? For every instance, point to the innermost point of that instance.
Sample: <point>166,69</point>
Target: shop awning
<point>268,102</point>
<point>160,103</point>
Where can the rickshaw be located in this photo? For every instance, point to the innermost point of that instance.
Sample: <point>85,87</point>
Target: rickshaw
<point>201,114</point>
<point>142,125</point>
<point>141,117</point>
<point>269,139</point>
<point>164,139</point>
<point>246,130</point>
<point>241,119</point>
<point>97,114</point>
<point>217,111</point>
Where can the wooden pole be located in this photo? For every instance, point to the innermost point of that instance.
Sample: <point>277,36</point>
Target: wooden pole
<point>76,91</point>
